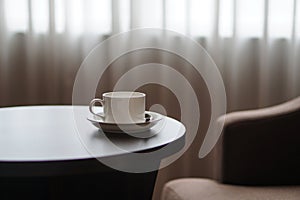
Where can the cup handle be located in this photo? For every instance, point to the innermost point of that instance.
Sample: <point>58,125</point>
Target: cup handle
<point>92,105</point>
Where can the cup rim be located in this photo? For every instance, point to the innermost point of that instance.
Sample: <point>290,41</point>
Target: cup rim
<point>124,94</point>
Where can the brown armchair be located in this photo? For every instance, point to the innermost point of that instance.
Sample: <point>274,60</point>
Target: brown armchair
<point>257,157</point>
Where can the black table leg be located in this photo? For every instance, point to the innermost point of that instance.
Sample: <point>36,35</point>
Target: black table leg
<point>113,185</point>
<point>110,185</point>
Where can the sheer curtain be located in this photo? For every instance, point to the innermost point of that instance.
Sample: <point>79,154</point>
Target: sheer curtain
<point>255,44</point>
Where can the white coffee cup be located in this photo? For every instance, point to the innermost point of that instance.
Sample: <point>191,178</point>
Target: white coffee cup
<point>121,107</point>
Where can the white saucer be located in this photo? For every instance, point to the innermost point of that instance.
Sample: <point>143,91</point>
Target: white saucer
<point>126,127</point>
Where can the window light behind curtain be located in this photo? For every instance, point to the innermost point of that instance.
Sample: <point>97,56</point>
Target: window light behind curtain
<point>245,18</point>
<point>248,40</point>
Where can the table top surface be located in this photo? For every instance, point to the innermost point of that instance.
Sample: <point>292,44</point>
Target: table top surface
<point>55,133</point>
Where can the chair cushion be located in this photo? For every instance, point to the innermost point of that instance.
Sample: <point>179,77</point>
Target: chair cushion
<point>198,188</point>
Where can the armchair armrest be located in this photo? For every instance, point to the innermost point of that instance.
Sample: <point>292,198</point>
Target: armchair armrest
<point>261,147</point>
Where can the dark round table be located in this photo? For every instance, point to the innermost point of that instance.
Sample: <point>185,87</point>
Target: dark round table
<point>43,155</point>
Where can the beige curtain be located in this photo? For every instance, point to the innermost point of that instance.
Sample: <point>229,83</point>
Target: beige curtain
<point>255,44</point>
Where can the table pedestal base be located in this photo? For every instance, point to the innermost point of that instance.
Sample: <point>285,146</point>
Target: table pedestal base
<point>112,185</point>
